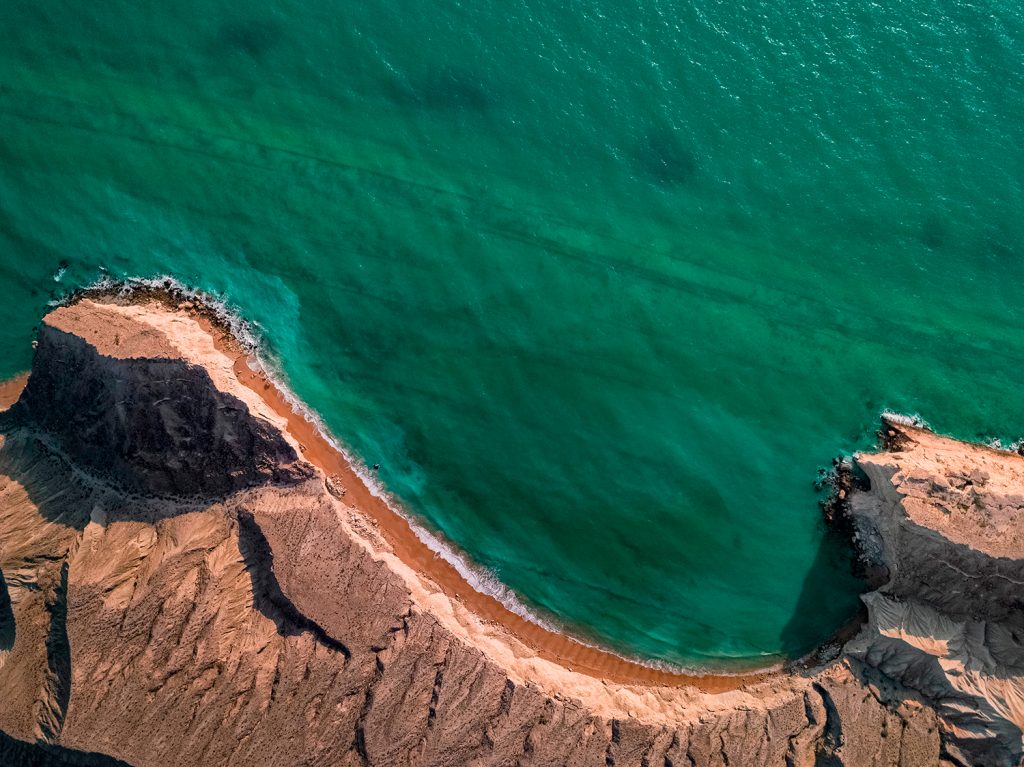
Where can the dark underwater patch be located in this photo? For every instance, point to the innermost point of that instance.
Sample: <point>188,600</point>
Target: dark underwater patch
<point>446,89</point>
<point>665,158</point>
<point>253,37</point>
<point>1000,246</point>
<point>933,233</point>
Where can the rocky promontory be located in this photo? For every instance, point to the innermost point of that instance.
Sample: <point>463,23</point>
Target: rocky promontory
<point>185,582</point>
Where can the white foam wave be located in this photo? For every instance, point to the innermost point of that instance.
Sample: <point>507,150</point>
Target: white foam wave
<point>902,419</point>
<point>996,443</point>
<point>245,332</point>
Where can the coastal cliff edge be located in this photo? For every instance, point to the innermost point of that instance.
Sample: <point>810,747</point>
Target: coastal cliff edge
<point>186,579</point>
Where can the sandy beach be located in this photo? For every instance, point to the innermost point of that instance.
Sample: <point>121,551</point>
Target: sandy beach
<point>561,649</point>
<point>552,646</point>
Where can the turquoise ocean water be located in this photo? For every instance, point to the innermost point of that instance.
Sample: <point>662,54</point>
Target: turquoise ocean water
<point>600,284</point>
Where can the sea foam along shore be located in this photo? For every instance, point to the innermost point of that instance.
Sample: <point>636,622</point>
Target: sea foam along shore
<point>426,552</point>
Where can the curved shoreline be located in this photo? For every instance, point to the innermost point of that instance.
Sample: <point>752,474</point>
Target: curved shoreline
<point>301,591</point>
<point>552,645</point>
<point>231,337</point>
<point>411,549</point>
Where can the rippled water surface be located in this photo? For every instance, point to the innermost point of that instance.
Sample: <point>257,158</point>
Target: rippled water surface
<point>599,284</point>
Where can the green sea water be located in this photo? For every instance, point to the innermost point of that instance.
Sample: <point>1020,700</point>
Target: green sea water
<point>599,284</point>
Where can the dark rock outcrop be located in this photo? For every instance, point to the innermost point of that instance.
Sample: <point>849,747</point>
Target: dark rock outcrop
<point>156,426</point>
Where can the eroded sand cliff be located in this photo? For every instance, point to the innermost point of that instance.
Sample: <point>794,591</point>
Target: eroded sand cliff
<point>182,585</point>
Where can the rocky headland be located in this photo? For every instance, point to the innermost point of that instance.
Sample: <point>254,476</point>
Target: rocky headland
<point>188,579</point>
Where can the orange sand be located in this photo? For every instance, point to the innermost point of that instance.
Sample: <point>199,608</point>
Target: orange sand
<point>10,390</point>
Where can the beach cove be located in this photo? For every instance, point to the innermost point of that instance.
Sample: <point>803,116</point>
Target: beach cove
<point>600,290</point>
<point>175,568</point>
